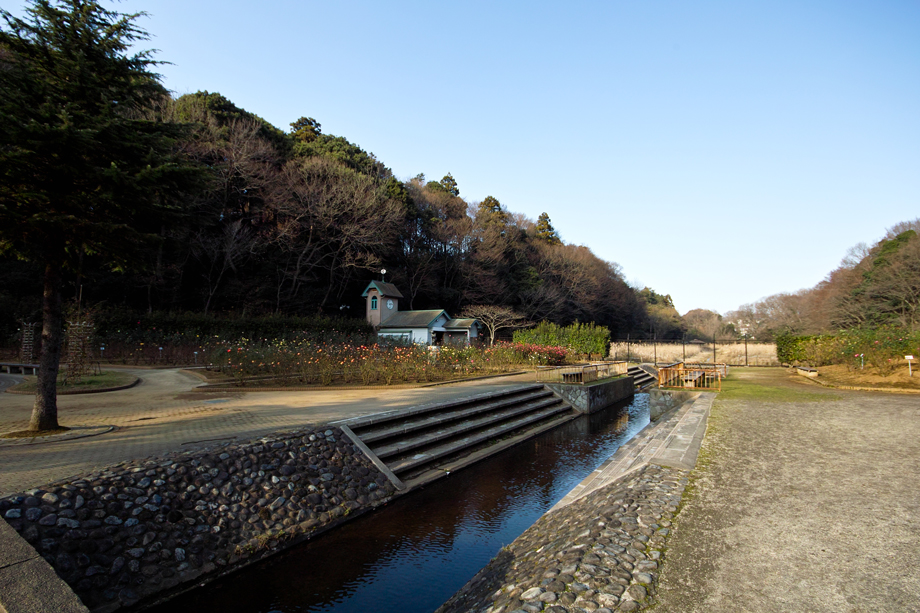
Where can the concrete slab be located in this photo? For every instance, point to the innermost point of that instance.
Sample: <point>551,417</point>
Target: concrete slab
<point>28,584</point>
<point>672,441</point>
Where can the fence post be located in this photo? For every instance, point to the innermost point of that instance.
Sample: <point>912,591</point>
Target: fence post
<point>713,347</point>
<point>745,350</point>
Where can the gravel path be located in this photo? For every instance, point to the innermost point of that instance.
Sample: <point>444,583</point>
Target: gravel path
<point>803,501</point>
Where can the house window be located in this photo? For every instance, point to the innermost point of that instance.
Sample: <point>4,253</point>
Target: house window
<point>373,303</point>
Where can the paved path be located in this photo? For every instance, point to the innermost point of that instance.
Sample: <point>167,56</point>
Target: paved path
<point>162,414</point>
<point>803,502</point>
<point>673,441</point>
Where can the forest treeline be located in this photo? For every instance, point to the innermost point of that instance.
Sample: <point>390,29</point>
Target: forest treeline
<point>297,223</point>
<point>874,287</point>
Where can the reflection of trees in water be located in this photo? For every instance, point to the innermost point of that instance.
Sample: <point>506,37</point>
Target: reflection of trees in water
<point>387,553</point>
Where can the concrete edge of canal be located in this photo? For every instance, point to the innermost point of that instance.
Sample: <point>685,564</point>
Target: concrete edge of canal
<point>114,535</point>
<point>599,547</point>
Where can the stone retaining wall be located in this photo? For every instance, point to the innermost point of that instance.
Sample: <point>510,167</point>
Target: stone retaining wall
<point>660,401</point>
<point>142,528</point>
<point>601,553</point>
<point>592,397</point>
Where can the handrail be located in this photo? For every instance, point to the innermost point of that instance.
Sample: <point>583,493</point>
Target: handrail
<point>581,374</point>
<point>695,378</point>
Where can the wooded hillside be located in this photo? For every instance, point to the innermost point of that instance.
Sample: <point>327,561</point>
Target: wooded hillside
<point>298,222</point>
<point>874,286</point>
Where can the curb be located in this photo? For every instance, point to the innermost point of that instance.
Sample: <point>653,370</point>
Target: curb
<point>28,584</point>
<point>71,435</point>
<point>857,388</point>
<point>97,390</point>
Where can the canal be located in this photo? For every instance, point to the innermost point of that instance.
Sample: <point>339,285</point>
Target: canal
<point>413,554</point>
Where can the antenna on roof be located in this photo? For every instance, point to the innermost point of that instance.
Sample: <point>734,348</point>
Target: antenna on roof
<point>383,271</point>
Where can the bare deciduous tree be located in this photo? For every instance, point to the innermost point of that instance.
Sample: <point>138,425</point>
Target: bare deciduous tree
<point>495,318</point>
<point>331,220</point>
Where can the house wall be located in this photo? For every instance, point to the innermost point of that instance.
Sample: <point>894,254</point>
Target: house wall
<point>373,317</point>
<point>420,336</point>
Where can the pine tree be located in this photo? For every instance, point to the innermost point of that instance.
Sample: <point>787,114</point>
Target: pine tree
<point>546,232</point>
<point>82,171</point>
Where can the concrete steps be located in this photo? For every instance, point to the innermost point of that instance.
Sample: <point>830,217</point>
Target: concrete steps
<point>417,444</point>
<point>641,378</point>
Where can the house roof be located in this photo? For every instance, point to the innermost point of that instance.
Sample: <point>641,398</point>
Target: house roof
<point>385,289</point>
<point>460,324</point>
<point>413,319</point>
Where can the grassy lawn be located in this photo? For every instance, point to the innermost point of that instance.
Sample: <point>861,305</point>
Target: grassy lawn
<point>769,385</point>
<point>104,380</point>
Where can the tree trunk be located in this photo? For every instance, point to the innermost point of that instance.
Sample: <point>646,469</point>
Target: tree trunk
<point>44,411</point>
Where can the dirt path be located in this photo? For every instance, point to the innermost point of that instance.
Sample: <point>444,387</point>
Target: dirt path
<point>804,499</point>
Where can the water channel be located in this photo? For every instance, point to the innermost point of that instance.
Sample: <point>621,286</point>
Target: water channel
<point>413,554</point>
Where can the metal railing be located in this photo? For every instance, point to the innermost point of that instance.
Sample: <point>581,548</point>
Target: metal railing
<point>581,374</point>
<point>733,352</point>
<point>722,368</point>
<point>688,376</point>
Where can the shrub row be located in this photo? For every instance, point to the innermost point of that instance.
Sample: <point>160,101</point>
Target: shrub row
<point>883,348</point>
<point>578,338</point>
<point>299,362</point>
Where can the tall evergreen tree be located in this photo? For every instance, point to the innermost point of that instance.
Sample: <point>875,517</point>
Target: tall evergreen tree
<point>545,230</point>
<point>82,170</point>
<point>450,185</point>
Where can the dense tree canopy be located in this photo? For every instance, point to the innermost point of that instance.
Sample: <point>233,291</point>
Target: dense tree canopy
<point>84,173</point>
<point>290,223</point>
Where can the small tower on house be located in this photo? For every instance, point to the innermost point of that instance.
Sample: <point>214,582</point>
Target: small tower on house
<point>382,301</point>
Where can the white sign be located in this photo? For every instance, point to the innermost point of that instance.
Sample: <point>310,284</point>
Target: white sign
<point>908,357</point>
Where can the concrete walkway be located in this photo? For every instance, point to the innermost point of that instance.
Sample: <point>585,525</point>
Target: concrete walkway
<point>673,441</point>
<point>162,414</point>
<point>804,499</point>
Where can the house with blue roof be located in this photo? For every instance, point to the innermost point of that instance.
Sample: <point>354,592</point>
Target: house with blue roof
<point>429,327</point>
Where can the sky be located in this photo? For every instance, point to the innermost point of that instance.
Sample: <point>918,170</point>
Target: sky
<point>719,152</point>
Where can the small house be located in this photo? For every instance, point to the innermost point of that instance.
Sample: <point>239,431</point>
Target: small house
<point>428,327</point>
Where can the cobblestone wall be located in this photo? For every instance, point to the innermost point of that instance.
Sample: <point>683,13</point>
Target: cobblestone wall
<point>601,553</point>
<point>141,528</point>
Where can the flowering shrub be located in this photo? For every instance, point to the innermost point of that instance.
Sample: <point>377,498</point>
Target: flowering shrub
<point>297,362</point>
<point>533,354</point>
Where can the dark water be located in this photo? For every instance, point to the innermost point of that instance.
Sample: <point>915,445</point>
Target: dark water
<point>413,554</point>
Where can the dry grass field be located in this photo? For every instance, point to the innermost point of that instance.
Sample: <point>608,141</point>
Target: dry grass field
<point>842,375</point>
<point>758,354</point>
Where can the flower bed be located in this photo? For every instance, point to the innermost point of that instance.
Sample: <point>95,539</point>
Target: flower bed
<point>293,363</point>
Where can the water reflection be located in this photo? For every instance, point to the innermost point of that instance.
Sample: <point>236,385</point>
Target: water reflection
<point>413,554</point>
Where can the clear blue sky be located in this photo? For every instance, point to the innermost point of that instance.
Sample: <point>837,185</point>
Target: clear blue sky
<point>718,151</point>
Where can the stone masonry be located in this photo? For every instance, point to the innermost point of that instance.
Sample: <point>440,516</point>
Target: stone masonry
<point>141,528</point>
<point>600,553</point>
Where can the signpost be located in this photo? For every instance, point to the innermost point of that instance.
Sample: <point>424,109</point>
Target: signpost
<point>910,370</point>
